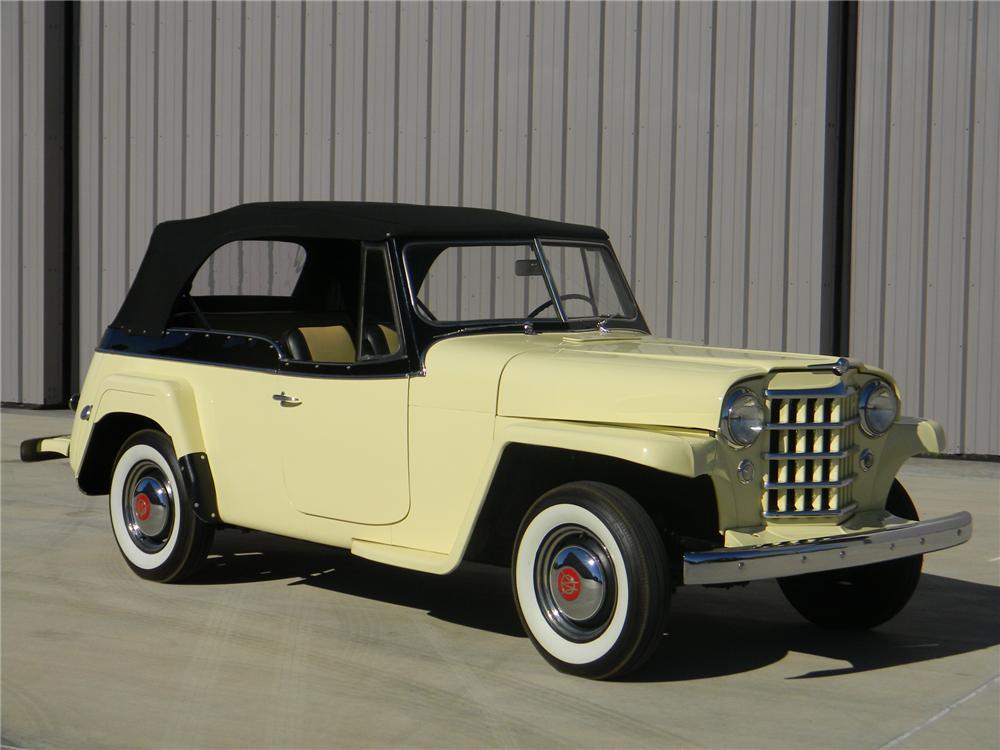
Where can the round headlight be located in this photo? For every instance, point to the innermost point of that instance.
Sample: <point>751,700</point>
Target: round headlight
<point>878,407</point>
<point>742,417</point>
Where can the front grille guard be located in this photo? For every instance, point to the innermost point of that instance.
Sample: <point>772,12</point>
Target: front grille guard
<point>811,454</point>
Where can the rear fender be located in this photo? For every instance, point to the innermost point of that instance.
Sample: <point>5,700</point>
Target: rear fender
<point>122,404</point>
<point>168,402</point>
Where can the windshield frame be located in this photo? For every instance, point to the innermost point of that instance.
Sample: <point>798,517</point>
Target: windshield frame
<point>561,323</point>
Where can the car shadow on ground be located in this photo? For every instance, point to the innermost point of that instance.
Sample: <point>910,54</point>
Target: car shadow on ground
<point>475,596</point>
<point>710,632</point>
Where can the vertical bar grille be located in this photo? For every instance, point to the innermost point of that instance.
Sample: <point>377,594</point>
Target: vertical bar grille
<point>811,453</point>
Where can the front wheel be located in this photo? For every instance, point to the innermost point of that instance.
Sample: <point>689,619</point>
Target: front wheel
<point>157,531</point>
<point>863,597</point>
<point>591,580</point>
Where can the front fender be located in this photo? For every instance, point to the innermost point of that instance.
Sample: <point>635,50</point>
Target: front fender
<point>681,452</point>
<point>687,453</point>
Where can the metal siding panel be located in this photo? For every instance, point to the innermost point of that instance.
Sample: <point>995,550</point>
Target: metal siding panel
<point>547,110</point>
<point>258,103</point>
<point>480,62</point>
<point>199,94</point>
<point>982,353</point>
<point>381,121</point>
<point>618,130</point>
<point>766,290</point>
<point>143,126</point>
<point>349,104</point>
<point>806,183</point>
<point>170,117</point>
<point>870,176</point>
<point>258,132</point>
<point>729,175</point>
<point>694,87</point>
<point>12,85</point>
<point>286,174</point>
<point>946,240</point>
<point>654,245</point>
<point>582,107</point>
<point>87,189</point>
<point>904,263</point>
<point>477,148</point>
<point>229,133</point>
<point>33,202</point>
<point>411,176</point>
<point>445,104</point>
<point>512,129</point>
<point>317,125</point>
<point>444,139</point>
<point>114,156</point>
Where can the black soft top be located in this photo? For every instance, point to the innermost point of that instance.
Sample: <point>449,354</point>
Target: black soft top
<point>177,249</point>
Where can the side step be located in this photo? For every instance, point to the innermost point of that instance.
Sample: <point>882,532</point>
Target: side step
<point>45,448</point>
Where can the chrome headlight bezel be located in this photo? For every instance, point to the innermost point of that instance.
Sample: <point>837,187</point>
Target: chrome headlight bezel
<point>737,429</point>
<point>872,402</point>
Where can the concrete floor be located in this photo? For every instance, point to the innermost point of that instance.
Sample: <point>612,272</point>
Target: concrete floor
<point>287,644</point>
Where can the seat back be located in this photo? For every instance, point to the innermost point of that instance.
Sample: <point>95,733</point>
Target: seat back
<point>320,344</point>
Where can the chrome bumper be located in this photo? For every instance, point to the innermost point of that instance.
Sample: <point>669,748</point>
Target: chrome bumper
<point>735,565</point>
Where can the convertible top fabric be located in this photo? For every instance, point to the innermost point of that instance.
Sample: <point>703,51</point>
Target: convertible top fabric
<point>177,249</point>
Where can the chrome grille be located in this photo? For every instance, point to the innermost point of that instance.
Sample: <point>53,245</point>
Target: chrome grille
<point>811,453</point>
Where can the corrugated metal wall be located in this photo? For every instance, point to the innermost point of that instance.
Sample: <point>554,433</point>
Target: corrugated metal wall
<point>695,134</point>
<point>32,36</point>
<point>926,275</point>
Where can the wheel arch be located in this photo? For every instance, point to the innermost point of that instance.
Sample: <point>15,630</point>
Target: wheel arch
<point>106,440</point>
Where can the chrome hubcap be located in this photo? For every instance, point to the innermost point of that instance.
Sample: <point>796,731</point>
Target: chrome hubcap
<point>575,584</point>
<point>147,506</point>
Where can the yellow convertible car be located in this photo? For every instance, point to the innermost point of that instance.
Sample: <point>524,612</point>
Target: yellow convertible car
<point>425,385</point>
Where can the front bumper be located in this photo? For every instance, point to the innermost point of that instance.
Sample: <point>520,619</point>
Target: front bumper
<point>736,565</point>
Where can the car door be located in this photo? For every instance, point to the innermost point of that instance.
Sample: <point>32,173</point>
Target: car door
<point>343,408</point>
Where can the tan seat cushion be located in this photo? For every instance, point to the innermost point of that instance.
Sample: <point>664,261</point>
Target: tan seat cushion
<point>391,338</point>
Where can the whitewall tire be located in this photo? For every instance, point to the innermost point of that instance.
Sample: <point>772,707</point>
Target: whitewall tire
<point>590,580</point>
<point>156,530</point>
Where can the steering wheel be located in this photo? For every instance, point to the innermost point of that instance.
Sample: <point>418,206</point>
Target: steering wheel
<point>424,309</point>
<point>550,302</point>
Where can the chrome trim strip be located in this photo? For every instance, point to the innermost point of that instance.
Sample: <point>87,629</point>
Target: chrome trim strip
<point>735,565</point>
<point>810,456</point>
<point>835,391</point>
<point>785,516</point>
<point>836,484</point>
<point>812,425</point>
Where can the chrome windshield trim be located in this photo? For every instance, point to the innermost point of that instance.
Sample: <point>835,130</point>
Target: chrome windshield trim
<point>736,565</point>
<point>812,425</point>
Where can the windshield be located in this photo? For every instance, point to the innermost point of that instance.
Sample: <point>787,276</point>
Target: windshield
<point>513,283</point>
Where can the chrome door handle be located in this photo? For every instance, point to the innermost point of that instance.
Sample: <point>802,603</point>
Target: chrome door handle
<point>285,400</point>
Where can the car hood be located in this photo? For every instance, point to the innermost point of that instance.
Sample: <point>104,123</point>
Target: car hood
<point>626,378</point>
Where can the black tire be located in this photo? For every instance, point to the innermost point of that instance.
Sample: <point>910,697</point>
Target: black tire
<point>152,520</point>
<point>863,597</point>
<point>609,620</point>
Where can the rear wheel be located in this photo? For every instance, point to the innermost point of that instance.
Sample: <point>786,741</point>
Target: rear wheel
<point>591,580</point>
<point>157,531</point>
<point>863,597</point>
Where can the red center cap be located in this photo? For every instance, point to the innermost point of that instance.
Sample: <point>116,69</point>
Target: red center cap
<point>141,505</point>
<point>569,584</point>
